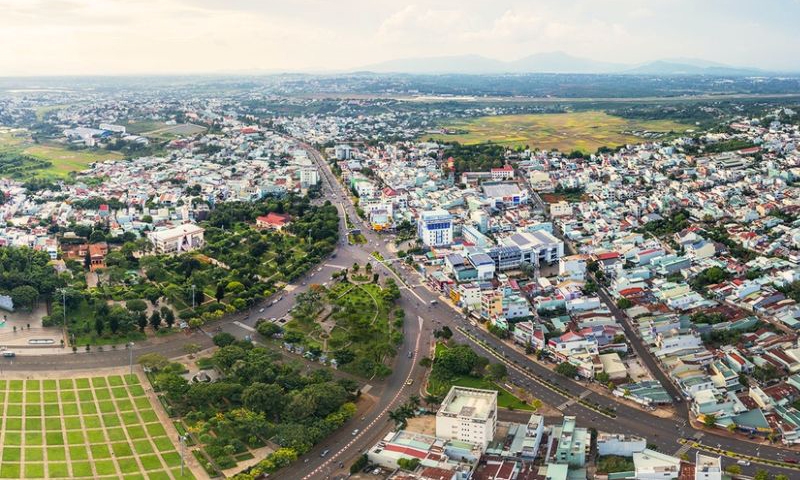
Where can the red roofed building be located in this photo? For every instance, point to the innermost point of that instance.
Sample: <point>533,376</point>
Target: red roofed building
<point>275,221</point>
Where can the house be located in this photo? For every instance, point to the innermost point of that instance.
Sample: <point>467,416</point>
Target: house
<point>275,221</point>
<point>97,255</point>
<point>183,238</point>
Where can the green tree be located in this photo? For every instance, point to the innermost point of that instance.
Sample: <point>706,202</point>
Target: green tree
<point>136,306</point>
<point>155,320</point>
<point>496,371</point>
<point>624,304</point>
<point>223,339</point>
<point>709,420</point>
<point>219,294</point>
<point>153,361</point>
<point>24,296</point>
<point>733,469</point>
<point>567,369</point>
<point>266,398</point>
<point>168,316</point>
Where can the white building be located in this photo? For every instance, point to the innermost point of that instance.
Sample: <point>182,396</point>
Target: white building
<point>468,415</point>
<point>573,266</point>
<point>652,465</point>
<point>309,177</point>
<point>537,247</point>
<point>343,152</point>
<point>707,468</point>
<point>183,238</point>
<point>619,444</point>
<point>435,228</point>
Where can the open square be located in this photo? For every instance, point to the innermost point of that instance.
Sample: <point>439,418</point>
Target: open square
<point>87,427</point>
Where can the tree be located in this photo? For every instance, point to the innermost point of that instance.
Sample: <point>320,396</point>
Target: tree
<point>457,360</point>
<point>624,304</point>
<point>153,361</point>
<point>496,371</point>
<point>425,362</point>
<point>141,321</point>
<point>24,296</point>
<point>567,369</point>
<point>761,475</point>
<point>168,316</point>
<point>219,294</point>
<point>266,398</point>
<point>407,464</point>
<point>344,356</point>
<point>223,339</point>
<point>191,348</point>
<point>98,325</point>
<point>268,329</point>
<point>602,377</point>
<point>356,266</point>
<point>136,305</point>
<point>155,320</point>
<point>359,464</point>
<point>709,420</point>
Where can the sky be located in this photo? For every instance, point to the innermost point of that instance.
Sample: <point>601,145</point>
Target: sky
<point>121,37</point>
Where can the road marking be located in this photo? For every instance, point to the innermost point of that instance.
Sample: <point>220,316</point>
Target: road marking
<point>330,265</point>
<point>379,416</point>
<point>573,401</point>
<point>242,325</point>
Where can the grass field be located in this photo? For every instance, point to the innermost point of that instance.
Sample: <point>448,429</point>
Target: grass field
<point>585,131</point>
<point>63,159</point>
<point>89,427</point>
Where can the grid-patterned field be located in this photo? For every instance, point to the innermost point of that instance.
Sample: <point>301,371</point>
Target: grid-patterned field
<point>97,427</point>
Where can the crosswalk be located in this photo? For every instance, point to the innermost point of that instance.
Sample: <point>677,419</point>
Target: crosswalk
<point>573,401</point>
<point>687,446</point>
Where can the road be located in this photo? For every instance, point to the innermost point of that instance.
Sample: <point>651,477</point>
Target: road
<point>422,318</point>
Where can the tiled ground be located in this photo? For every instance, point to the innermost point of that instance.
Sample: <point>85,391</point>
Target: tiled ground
<point>95,427</point>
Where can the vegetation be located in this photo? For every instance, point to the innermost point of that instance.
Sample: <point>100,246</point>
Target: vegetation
<point>567,369</point>
<point>612,464</point>
<point>259,399</point>
<point>367,328</point>
<point>585,131</point>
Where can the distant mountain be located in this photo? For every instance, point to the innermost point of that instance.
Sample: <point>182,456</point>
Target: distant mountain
<point>691,67</point>
<point>554,62</point>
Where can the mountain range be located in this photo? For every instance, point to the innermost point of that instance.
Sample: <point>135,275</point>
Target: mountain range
<point>554,62</point>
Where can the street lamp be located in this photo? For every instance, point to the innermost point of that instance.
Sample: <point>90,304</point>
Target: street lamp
<point>182,440</point>
<point>129,346</point>
<point>193,287</point>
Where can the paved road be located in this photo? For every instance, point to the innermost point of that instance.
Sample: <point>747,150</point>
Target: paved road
<point>415,301</point>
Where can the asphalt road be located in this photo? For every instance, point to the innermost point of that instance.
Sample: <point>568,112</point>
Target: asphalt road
<point>421,318</point>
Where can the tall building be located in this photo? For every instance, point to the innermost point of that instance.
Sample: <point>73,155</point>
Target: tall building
<point>435,228</point>
<point>468,415</point>
<point>573,443</point>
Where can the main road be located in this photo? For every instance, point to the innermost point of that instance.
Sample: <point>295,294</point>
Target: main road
<point>422,317</point>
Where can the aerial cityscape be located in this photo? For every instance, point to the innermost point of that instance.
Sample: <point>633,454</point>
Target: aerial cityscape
<point>324,240</point>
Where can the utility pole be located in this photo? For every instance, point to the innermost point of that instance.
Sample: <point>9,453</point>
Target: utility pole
<point>193,287</point>
<point>64,307</point>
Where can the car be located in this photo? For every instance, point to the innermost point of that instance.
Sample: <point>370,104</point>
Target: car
<point>410,354</point>
<point>260,310</point>
<point>790,460</point>
<point>744,463</point>
<point>355,432</point>
<point>410,381</point>
<point>324,452</point>
<point>9,354</point>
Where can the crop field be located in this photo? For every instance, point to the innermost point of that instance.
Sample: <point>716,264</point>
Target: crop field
<point>585,131</point>
<point>89,427</point>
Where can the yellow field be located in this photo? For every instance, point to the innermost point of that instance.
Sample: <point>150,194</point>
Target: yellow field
<point>584,131</point>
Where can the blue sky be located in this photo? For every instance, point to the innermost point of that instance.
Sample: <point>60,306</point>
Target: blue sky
<point>51,37</point>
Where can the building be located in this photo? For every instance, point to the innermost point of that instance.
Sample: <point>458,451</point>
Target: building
<point>468,415</point>
<point>652,465</point>
<point>573,443</point>
<point>435,228</point>
<point>183,238</point>
<point>537,247</point>
<point>97,255</point>
<point>272,220</point>
<point>619,444</point>
<point>707,468</point>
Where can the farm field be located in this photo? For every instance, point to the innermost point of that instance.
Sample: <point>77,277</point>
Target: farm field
<point>65,160</point>
<point>87,427</point>
<point>585,131</point>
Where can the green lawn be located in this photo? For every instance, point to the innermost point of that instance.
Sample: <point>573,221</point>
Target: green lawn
<point>112,433</point>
